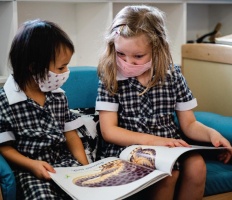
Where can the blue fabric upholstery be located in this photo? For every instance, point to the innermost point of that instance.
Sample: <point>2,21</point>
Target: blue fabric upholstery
<point>218,178</point>
<point>7,180</point>
<point>81,87</point>
<point>222,124</point>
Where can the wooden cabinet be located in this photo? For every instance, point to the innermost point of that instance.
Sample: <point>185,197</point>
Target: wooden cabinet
<point>208,71</point>
<point>85,21</point>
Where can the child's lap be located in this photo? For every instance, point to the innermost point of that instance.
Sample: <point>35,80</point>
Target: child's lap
<point>30,187</point>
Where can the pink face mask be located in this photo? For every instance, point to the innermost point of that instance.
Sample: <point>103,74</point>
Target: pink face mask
<point>130,70</point>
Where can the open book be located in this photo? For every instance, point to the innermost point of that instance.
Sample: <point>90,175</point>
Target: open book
<point>116,178</point>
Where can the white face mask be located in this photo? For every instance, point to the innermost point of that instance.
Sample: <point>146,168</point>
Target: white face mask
<point>53,81</point>
<point>130,70</point>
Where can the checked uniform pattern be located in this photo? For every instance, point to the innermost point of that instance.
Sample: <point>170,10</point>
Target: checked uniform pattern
<point>151,112</point>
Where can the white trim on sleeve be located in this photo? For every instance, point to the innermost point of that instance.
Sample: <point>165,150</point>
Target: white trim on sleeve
<point>73,124</point>
<point>101,105</point>
<point>183,106</point>
<point>6,136</point>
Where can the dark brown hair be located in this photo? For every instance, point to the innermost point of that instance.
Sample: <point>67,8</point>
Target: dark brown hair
<point>33,48</point>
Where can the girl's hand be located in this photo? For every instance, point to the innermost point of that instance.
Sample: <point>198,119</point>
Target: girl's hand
<point>40,169</point>
<point>218,140</point>
<point>170,142</point>
<point>225,156</point>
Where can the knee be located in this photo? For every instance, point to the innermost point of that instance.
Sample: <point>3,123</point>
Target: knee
<point>195,168</point>
<point>199,167</point>
<point>171,180</point>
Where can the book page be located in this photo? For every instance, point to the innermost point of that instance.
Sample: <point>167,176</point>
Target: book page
<point>109,178</point>
<point>157,157</point>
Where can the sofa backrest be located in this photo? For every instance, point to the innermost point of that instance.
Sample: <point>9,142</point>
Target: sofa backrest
<point>221,123</point>
<point>81,87</point>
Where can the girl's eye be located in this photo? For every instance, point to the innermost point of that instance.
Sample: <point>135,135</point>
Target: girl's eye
<point>138,56</point>
<point>120,54</point>
<point>62,68</point>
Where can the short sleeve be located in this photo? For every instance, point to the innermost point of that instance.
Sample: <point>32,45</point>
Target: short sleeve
<point>185,99</point>
<point>106,101</point>
<point>72,120</point>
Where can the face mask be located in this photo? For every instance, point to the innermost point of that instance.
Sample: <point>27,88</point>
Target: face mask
<point>53,81</point>
<point>130,70</point>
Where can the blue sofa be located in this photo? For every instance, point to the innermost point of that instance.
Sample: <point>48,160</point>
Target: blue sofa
<point>81,90</point>
<point>7,181</point>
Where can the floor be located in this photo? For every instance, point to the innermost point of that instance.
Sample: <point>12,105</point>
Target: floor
<point>1,194</point>
<point>224,196</point>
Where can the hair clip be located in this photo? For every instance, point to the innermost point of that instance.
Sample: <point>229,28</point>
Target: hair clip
<point>119,28</point>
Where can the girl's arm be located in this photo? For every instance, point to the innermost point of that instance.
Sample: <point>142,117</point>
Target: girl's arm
<point>199,132</point>
<point>120,136</point>
<point>38,168</point>
<point>76,147</point>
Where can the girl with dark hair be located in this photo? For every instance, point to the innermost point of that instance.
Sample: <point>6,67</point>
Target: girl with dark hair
<point>37,129</point>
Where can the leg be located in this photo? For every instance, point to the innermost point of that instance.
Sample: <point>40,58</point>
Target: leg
<point>164,189</point>
<point>193,176</point>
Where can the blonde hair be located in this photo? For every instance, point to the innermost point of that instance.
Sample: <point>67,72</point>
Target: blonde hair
<point>132,21</point>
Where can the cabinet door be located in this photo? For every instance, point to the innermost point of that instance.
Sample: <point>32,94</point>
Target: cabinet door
<point>208,71</point>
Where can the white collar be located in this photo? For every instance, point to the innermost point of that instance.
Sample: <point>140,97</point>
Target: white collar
<point>120,77</point>
<point>14,94</point>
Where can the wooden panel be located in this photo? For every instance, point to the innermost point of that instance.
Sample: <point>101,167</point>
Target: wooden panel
<point>224,196</point>
<point>208,52</point>
<point>210,81</point>
<point>1,198</point>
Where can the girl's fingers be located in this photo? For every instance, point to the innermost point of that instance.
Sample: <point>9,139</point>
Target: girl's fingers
<point>177,143</point>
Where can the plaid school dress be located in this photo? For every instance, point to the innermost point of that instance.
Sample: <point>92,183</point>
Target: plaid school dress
<point>151,112</point>
<point>38,133</point>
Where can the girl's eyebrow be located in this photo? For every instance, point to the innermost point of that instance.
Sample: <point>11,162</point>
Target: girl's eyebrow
<point>65,64</point>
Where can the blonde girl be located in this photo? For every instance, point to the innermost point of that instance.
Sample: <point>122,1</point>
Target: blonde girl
<point>140,91</point>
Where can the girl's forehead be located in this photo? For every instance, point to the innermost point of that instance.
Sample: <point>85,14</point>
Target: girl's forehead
<point>135,43</point>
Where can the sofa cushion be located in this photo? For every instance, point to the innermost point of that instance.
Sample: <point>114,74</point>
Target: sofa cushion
<point>218,177</point>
